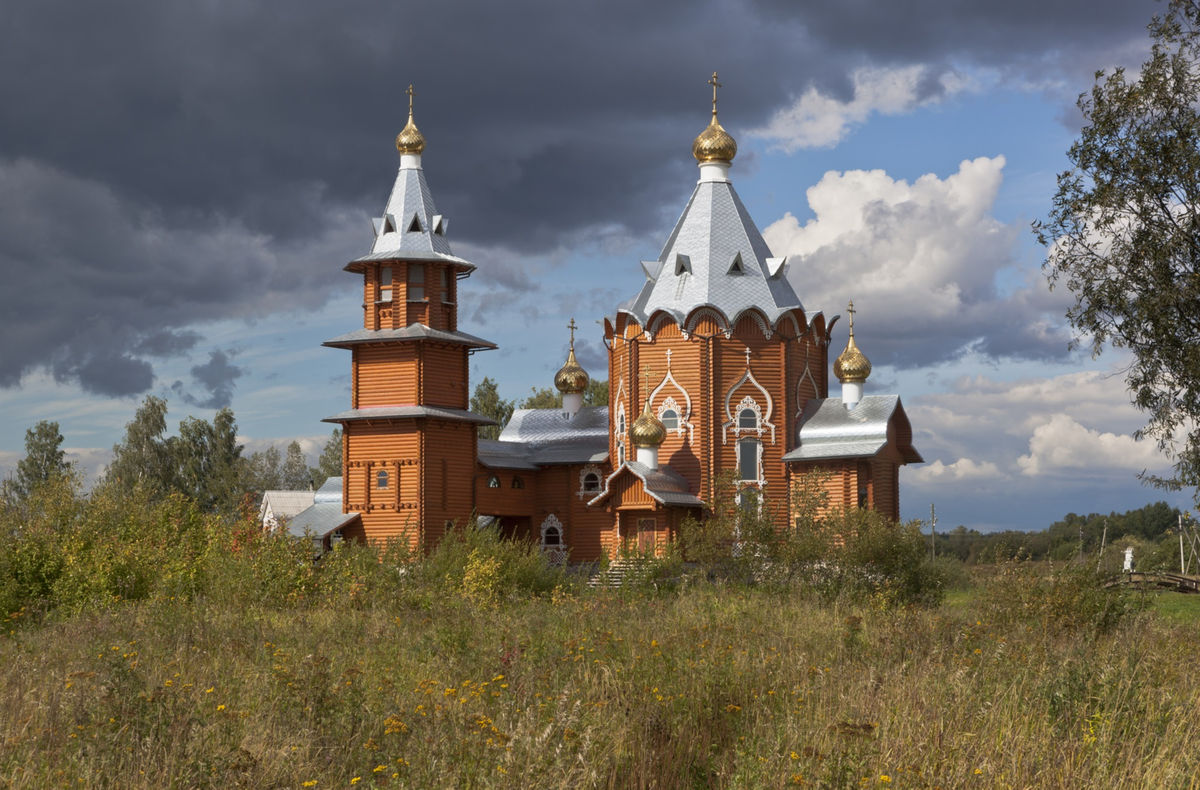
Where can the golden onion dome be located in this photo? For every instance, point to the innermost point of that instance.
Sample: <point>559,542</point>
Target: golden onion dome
<point>852,365</point>
<point>714,144</point>
<point>410,140</point>
<point>571,378</point>
<point>647,430</point>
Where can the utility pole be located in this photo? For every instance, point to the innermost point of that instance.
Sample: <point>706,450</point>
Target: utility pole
<point>932,531</point>
<point>1103,540</point>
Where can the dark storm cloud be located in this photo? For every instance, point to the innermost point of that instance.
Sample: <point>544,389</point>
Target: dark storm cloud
<point>164,164</point>
<point>217,376</point>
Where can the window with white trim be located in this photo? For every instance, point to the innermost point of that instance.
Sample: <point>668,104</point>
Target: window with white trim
<point>748,452</point>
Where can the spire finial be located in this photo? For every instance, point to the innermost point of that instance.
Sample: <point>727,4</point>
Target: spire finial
<point>571,378</point>
<point>714,144</point>
<point>713,82</point>
<point>410,140</point>
<point>852,365</point>
<point>647,430</point>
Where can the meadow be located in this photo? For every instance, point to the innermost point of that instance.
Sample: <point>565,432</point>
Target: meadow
<point>208,656</point>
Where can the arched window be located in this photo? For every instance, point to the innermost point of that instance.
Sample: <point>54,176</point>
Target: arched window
<point>494,481</point>
<point>591,482</point>
<point>381,479</point>
<point>621,422</point>
<point>518,482</point>
<point>551,537</point>
<point>748,452</point>
<point>670,420</point>
<point>747,418</point>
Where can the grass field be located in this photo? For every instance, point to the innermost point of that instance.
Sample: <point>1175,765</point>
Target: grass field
<point>1013,684</point>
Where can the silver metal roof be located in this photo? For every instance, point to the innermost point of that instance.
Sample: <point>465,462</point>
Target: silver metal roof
<point>714,257</point>
<point>544,437</point>
<point>410,228</point>
<point>330,491</point>
<point>410,332</point>
<point>401,412</point>
<point>285,503</point>
<point>319,520</point>
<point>504,455</point>
<point>829,430</point>
<point>540,426</point>
<point>664,485</point>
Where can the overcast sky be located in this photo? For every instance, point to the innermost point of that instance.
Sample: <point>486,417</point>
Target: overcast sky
<point>181,184</point>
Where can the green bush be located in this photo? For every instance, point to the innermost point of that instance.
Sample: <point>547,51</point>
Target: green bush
<point>1055,597</point>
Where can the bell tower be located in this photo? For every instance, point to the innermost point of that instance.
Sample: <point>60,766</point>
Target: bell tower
<point>409,440</point>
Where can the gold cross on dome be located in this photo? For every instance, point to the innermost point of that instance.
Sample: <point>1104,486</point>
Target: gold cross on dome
<point>410,93</point>
<point>572,327</point>
<point>713,82</point>
<point>851,311</point>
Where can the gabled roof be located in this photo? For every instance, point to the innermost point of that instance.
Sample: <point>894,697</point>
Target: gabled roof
<point>285,504</point>
<point>664,485</point>
<point>410,228</point>
<point>319,520</point>
<point>410,332</point>
<point>715,256</point>
<point>408,412</point>
<point>829,430</point>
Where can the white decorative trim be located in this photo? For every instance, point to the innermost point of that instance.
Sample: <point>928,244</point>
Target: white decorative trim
<point>790,316</point>
<point>590,469</point>
<point>656,323</point>
<point>764,416</point>
<point>685,414</point>
<point>700,312</point>
<point>800,399</point>
<point>763,326</point>
<point>555,552</point>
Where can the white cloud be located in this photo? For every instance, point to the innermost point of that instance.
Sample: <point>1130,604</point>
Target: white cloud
<point>962,469</point>
<point>816,120</point>
<point>920,261</point>
<point>1062,444</point>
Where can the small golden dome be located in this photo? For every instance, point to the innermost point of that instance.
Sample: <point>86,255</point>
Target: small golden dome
<point>714,144</point>
<point>647,430</point>
<point>852,365</point>
<point>410,140</point>
<point>571,378</point>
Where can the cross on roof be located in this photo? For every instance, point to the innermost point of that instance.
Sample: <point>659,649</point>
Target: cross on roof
<point>851,311</point>
<point>572,327</point>
<point>713,82</point>
<point>412,93</point>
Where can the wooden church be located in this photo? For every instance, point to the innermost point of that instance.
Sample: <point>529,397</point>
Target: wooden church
<point>713,365</point>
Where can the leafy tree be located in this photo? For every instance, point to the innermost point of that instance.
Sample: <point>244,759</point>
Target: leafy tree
<point>1124,233</point>
<point>143,457</point>
<point>596,393</point>
<point>208,458</point>
<point>295,476</point>
<point>329,464</point>
<point>544,398</point>
<point>486,401</point>
<point>261,472</point>
<point>44,461</point>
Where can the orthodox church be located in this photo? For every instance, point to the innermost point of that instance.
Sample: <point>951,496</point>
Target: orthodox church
<point>714,368</point>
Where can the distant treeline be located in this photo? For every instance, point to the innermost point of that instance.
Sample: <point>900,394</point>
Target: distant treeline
<point>1146,527</point>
